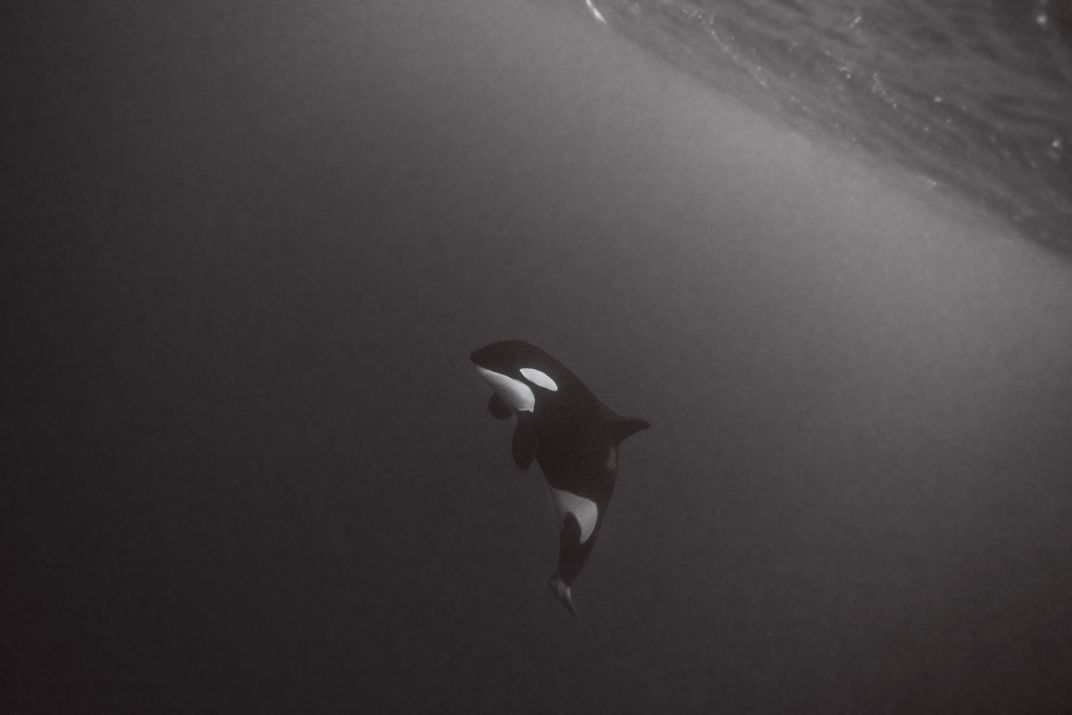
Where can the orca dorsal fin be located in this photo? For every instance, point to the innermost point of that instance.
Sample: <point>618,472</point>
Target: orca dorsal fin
<point>621,427</point>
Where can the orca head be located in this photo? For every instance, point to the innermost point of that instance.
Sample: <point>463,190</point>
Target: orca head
<point>520,374</point>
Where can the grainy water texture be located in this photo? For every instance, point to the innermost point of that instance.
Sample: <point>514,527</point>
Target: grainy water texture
<point>970,96</point>
<point>246,464</point>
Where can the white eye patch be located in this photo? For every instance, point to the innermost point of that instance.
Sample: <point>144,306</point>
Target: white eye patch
<point>539,377</point>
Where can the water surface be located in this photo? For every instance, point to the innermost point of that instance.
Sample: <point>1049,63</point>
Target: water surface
<point>969,97</point>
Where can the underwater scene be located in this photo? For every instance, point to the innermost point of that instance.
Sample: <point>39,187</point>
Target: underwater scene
<point>536,356</point>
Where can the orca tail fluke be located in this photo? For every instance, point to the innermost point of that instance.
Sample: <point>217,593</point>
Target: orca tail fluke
<point>562,593</point>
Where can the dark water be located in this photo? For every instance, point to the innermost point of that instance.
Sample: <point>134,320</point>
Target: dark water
<point>245,464</point>
<point>974,97</point>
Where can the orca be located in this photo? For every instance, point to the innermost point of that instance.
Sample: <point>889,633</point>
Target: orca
<point>569,432</point>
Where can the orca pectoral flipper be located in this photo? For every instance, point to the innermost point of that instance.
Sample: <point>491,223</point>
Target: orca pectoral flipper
<point>524,439</point>
<point>497,407</point>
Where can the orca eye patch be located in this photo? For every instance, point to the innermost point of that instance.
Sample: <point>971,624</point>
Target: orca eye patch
<point>539,378</point>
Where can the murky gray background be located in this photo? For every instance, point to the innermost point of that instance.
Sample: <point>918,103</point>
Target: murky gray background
<point>247,466</point>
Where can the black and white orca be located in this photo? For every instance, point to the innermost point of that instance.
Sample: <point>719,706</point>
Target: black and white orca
<point>572,436</point>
